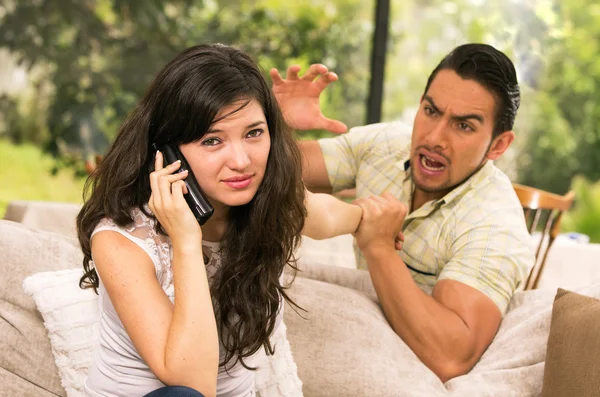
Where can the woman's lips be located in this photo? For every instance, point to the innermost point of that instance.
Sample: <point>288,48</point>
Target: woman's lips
<point>238,182</point>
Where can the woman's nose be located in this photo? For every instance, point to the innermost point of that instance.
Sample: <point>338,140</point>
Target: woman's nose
<point>240,159</point>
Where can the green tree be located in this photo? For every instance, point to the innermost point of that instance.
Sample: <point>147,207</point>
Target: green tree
<point>423,32</point>
<point>585,215</point>
<point>100,56</point>
<point>565,130</point>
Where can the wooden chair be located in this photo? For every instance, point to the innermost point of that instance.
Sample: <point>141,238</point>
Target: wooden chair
<point>90,166</point>
<point>539,205</point>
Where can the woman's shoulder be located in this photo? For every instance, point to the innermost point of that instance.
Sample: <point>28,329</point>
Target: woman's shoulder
<point>142,232</point>
<point>141,223</point>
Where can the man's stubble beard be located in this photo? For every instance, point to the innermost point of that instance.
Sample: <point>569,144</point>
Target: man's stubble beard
<point>447,187</point>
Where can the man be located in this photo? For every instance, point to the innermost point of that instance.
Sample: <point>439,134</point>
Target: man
<point>466,247</point>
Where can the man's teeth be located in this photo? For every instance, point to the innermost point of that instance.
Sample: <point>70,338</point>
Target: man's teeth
<point>428,167</point>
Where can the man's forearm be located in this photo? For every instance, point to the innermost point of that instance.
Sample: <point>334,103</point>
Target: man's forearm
<point>314,171</point>
<point>437,335</point>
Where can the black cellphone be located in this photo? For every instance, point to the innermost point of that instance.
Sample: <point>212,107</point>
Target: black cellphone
<point>199,204</point>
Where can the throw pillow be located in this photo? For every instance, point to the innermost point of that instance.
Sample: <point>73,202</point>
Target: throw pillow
<point>277,375</point>
<point>71,318</point>
<point>573,354</point>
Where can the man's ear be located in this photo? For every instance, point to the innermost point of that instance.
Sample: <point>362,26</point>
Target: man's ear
<point>500,144</point>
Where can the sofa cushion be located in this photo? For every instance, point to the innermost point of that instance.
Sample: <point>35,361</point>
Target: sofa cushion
<point>50,216</point>
<point>26,363</point>
<point>344,345</point>
<point>14,385</point>
<point>573,353</point>
<point>71,318</point>
<point>513,364</point>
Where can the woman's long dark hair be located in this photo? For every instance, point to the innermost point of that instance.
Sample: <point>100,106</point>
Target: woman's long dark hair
<point>179,107</point>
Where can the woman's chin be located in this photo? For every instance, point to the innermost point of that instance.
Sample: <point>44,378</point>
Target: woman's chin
<point>236,199</point>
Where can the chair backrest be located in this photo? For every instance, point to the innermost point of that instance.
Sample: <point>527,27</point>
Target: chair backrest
<point>90,166</point>
<point>543,211</point>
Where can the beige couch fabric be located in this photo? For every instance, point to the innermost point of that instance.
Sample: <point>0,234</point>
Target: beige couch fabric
<point>346,347</point>
<point>573,358</point>
<point>26,364</point>
<point>45,215</point>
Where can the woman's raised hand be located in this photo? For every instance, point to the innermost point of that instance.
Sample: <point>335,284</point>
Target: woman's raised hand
<point>169,206</point>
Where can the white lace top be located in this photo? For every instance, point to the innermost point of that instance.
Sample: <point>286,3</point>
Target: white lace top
<point>118,370</point>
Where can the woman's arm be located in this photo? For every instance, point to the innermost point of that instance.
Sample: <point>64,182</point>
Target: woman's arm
<point>328,216</point>
<point>178,341</point>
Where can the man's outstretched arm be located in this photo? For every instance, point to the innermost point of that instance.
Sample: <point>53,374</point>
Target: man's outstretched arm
<point>314,171</point>
<point>448,331</point>
<point>298,97</point>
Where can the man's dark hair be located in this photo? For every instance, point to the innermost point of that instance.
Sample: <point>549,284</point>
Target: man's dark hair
<point>493,70</point>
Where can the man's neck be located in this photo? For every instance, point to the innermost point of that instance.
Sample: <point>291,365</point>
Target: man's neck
<point>421,197</point>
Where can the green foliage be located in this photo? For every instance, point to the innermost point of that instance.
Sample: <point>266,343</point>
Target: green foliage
<point>26,174</point>
<point>585,215</point>
<point>89,61</point>
<point>101,55</point>
<point>423,32</point>
<point>565,131</point>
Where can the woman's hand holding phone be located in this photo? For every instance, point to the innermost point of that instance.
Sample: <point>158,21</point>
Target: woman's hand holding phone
<point>169,206</point>
<point>181,359</point>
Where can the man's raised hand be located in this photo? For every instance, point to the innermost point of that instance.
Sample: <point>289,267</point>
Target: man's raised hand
<point>298,97</point>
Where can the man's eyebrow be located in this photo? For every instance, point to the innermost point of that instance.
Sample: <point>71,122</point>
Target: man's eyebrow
<point>432,103</point>
<point>467,117</point>
<point>252,125</point>
<point>457,117</point>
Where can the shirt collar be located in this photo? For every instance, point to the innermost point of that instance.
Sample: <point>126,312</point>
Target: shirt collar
<point>471,183</point>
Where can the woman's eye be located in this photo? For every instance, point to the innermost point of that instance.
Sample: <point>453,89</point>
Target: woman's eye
<point>254,133</point>
<point>210,142</point>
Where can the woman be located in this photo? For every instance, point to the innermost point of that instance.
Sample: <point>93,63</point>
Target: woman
<point>143,246</point>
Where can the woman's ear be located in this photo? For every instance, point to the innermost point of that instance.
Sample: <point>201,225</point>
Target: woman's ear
<point>500,144</point>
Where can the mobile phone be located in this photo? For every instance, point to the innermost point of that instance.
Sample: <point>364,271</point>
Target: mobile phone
<point>199,204</point>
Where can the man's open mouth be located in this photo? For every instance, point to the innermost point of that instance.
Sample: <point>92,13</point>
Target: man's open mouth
<point>431,164</point>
